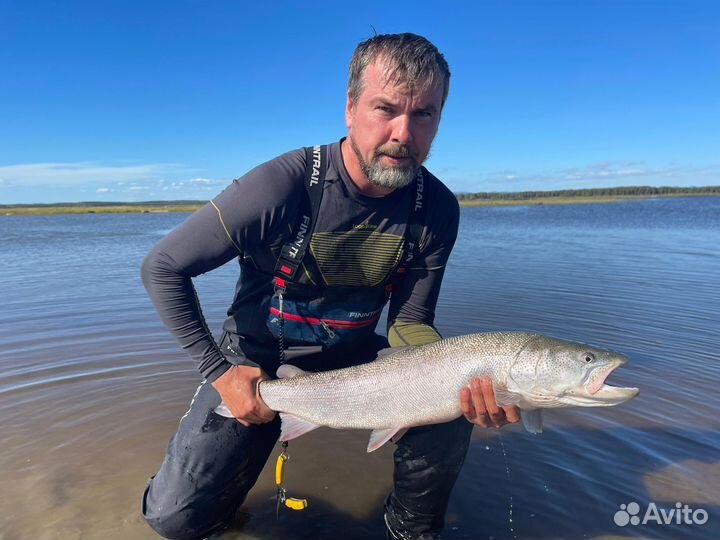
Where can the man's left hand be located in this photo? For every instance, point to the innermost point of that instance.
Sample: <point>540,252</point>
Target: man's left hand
<point>479,406</point>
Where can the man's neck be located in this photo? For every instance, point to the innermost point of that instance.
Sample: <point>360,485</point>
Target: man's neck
<point>352,166</point>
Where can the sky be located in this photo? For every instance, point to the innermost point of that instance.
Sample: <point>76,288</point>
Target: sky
<point>171,99</point>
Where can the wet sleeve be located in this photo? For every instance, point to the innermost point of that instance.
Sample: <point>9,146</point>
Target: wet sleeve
<point>250,210</point>
<point>411,314</point>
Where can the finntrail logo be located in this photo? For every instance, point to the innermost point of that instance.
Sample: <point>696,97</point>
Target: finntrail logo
<point>680,514</point>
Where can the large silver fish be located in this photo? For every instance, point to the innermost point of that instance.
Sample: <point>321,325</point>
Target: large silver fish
<point>414,386</point>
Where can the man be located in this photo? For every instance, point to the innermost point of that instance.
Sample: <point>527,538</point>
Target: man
<point>317,266</point>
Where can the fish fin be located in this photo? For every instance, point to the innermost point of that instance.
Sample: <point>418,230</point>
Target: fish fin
<point>399,435</point>
<point>287,371</point>
<point>380,436</point>
<point>223,410</point>
<point>391,350</point>
<point>505,397</point>
<point>532,420</point>
<point>294,426</point>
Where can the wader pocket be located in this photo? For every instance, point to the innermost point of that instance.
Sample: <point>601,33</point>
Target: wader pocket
<point>325,322</point>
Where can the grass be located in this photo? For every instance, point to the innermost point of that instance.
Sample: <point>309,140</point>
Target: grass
<point>538,201</point>
<point>110,209</point>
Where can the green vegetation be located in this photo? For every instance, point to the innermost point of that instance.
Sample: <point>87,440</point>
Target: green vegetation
<point>582,196</point>
<point>100,208</point>
<point>540,201</point>
<point>565,196</point>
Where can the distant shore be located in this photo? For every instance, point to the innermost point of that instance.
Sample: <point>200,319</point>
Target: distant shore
<point>134,208</point>
<point>190,206</point>
<point>539,201</point>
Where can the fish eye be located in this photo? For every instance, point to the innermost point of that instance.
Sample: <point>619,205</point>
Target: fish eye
<point>589,357</point>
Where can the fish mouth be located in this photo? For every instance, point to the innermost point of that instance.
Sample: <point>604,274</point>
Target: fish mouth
<point>595,392</point>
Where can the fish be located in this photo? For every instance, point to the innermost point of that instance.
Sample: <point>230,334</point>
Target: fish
<point>414,386</point>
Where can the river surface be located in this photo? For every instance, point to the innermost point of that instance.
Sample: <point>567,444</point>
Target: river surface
<point>92,385</point>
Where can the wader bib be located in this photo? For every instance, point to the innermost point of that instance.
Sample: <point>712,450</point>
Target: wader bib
<point>331,315</point>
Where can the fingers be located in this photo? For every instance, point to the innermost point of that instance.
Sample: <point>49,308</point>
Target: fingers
<point>258,415</point>
<point>479,406</point>
<point>263,411</point>
<point>247,404</point>
<point>496,414</point>
<point>512,414</point>
<point>472,404</point>
<point>467,407</point>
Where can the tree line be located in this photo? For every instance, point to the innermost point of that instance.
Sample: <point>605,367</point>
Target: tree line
<point>627,191</point>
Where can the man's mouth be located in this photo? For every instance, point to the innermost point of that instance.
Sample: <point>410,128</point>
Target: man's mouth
<point>396,154</point>
<point>398,160</point>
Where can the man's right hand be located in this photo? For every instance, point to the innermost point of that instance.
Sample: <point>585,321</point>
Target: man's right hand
<point>238,388</point>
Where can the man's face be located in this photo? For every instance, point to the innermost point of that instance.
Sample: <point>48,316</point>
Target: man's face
<point>390,130</point>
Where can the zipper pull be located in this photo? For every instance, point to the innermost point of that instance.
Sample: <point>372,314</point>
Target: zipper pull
<point>327,328</point>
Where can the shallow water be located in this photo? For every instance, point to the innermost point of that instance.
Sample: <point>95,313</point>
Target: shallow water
<point>92,386</point>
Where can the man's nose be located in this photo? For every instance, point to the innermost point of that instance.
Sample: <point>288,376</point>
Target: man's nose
<point>402,129</point>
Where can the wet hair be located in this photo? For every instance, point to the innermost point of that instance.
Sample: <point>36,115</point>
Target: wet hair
<point>410,60</point>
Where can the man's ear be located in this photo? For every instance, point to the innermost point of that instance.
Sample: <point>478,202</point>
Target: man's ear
<point>349,104</point>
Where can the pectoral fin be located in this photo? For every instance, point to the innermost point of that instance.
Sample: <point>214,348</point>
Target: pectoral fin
<point>286,371</point>
<point>380,436</point>
<point>505,397</point>
<point>223,410</point>
<point>293,426</point>
<point>532,420</point>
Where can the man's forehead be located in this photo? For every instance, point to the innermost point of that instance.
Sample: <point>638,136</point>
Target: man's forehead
<point>383,77</point>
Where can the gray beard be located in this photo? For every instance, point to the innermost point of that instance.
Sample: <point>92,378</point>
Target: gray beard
<point>391,177</point>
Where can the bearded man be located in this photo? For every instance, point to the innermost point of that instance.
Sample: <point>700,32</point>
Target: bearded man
<point>324,237</point>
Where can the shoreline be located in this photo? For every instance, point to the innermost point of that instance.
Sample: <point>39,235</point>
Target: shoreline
<point>541,201</point>
<point>155,208</point>
<point>42,210</point>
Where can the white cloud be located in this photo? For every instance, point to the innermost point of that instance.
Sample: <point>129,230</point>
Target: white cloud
<point>104,190</point>
<point>601,174</point>
<point>85,173</point>
<point>198,183</point>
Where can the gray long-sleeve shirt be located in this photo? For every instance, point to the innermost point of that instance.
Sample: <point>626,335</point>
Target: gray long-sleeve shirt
<point>358,242</point>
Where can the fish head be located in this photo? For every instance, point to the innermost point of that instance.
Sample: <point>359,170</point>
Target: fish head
<point>550,372</point>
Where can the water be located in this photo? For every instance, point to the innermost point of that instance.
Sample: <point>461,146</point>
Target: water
<point>92,386</point>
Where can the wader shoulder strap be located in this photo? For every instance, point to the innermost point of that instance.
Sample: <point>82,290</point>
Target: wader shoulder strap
<point>416,220</point>
<point>293,252</point>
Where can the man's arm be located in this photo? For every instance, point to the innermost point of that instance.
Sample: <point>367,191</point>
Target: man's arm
<point>250,211</point>
<point>197,246</point>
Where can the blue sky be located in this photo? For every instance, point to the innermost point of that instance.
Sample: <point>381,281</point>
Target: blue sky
<point>131,101</point>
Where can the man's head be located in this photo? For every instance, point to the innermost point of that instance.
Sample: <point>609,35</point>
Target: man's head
<point>397,88</point>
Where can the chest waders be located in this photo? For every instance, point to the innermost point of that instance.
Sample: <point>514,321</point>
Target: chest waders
<point>340,316</point>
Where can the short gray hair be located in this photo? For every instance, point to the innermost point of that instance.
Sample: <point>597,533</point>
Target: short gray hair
<point>411,60</point>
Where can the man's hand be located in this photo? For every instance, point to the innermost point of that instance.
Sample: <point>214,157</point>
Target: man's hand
<point>479,406</point>
<point>238,388</point>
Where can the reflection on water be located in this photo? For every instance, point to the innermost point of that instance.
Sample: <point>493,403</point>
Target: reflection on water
<point>92,386</point>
